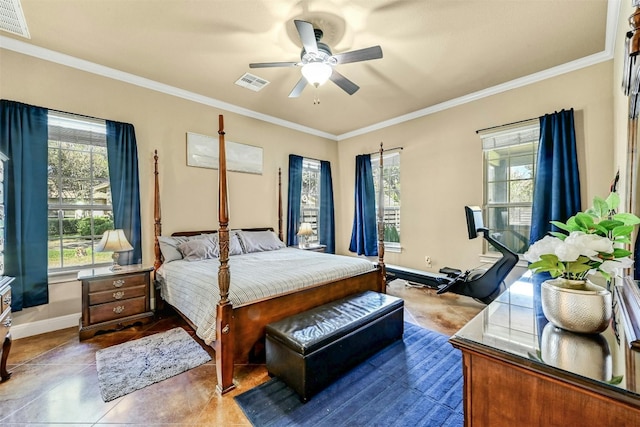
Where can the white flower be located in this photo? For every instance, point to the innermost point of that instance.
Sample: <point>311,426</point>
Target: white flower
<point>544,246</point>
<point>576,244</point>
<point>588,245</point>
<point>615,267</point>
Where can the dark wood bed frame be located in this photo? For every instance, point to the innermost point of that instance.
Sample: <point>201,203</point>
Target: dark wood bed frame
<point>240,329</point>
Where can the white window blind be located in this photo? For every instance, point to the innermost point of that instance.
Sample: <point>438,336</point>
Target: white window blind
<point>505,136</point>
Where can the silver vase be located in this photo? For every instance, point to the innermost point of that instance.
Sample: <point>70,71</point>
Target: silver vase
<point>577,307</point>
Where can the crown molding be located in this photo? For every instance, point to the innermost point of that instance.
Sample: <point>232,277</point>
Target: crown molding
<point>613,11</point>
<point>90,67</point>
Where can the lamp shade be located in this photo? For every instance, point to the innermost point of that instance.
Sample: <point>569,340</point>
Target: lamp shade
<point>316,73</point>
<point>113,241</point>
<point>305,229</point>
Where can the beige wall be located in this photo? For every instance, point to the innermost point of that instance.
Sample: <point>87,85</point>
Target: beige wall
<point>441,163</point>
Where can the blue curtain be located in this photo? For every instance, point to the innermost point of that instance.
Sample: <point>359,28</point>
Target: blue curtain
<point>556,188</point>
<point>327,220</point>
<point>293,202</point>
<point>364,234</point>
<point>122,154</point>
<point>24,139</point>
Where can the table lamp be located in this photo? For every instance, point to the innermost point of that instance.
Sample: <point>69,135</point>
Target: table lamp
<point>304,231</point>
<point>116,242</point>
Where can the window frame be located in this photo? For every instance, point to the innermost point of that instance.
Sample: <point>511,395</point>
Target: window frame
<point>509,137</point>
<point>66,129</point>
<point>391,246</point>
<point>311,166</point>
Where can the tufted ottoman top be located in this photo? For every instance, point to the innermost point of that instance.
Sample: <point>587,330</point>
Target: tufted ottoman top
<point>313,329</point>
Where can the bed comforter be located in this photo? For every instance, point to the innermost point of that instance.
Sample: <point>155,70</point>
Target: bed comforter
<point>192,287</point>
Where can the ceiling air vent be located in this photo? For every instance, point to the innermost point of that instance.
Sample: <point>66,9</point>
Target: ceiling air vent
<point>12,18</point>
<point>250,81</point>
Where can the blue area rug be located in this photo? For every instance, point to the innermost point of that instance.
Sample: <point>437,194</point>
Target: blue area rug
<point>414,382</point>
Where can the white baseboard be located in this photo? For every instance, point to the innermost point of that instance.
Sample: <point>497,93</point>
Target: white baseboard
<point>43,326</point>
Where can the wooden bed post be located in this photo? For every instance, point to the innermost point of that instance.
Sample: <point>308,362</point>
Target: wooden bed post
<point>224,317</point>
<point>157,225</point>
<point>381,266</point>
<point>280,235</point>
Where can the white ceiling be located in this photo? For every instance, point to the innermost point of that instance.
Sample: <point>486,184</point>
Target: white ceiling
<point>436,52</point>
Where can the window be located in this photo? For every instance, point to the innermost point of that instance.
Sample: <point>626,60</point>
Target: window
<point>509,170</point>
<point>390,195</point>
<point>79,193</point>
<point>310,197</point>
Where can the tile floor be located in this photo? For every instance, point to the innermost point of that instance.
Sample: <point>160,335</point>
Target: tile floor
<point>54,380</point>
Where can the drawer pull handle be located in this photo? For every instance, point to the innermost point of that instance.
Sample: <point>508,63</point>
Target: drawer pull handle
<point>118,283</point>
<point>7,323</point>
<point>119,309</point>
<point>7,300</point>
<point>118,295</point>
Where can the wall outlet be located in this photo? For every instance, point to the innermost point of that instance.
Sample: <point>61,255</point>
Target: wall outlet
<point>427,260</point>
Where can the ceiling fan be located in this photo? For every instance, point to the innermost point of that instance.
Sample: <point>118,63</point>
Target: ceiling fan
<point>318,63</point>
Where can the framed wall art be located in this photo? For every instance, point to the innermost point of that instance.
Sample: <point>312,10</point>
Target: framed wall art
<point>202,152</point>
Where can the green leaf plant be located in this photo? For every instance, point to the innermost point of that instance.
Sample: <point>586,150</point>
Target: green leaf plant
<point>593,241</point>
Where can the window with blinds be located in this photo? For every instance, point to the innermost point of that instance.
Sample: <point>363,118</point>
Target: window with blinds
<point>510,155</point>
<point>79,192</point>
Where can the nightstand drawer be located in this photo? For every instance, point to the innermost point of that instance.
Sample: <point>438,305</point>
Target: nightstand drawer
<point>5,299</point>
<point>5,324</point>
<point>117,309</point>
<point>117,282</point>
<point>123,293</point>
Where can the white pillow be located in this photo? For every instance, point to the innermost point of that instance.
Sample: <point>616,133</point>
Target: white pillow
<point>235,247</point>
<point>259,241</point>
<point>197,249</point>
<point>169,247</point>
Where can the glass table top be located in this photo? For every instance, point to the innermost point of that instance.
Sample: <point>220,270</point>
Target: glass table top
<point>514,325</point>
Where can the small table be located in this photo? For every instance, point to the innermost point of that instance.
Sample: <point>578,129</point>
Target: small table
<point>112,300</point>
<point>312,247</point>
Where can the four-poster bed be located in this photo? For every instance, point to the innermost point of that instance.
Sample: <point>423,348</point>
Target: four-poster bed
<point>235,327</point>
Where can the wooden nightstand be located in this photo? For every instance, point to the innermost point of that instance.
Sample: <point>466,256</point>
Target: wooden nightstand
<point>312,247</point>
<point>112,300</point>
<point>5,324</point>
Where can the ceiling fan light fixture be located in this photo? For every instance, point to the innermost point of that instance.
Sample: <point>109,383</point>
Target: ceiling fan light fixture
<point>316,73</point>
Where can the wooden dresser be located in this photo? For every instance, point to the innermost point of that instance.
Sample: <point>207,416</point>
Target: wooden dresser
<point>112,300</point>
<point>520,370</point>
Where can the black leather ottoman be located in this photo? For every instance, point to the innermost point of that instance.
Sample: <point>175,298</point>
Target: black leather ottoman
<point>310,350</point>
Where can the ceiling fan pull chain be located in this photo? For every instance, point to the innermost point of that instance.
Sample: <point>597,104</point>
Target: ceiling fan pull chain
<point>316,97</point>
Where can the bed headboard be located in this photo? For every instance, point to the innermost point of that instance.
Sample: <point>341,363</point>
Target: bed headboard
<point>196,233</point>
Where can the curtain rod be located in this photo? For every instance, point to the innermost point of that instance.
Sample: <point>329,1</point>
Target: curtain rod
<point>387,149</point>
<point>507,124</point>
<point>312,158</point>
<point>76,114</point>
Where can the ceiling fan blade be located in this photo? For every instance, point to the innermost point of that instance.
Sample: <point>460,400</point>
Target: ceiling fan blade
<point>297,90</point>
<point>344,83</point>
<point>272,64</point>
<point>307,36</point>
<point>374,52</point>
